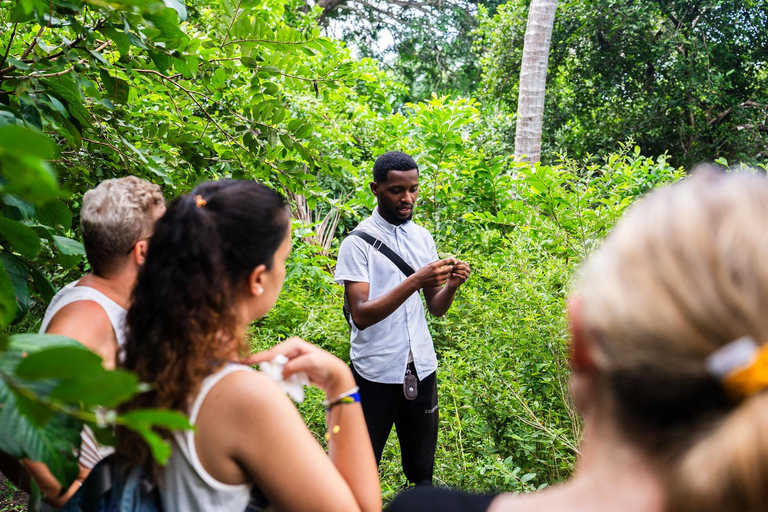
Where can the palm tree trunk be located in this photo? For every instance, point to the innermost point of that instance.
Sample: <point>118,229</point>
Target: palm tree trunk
<point>533,80</point>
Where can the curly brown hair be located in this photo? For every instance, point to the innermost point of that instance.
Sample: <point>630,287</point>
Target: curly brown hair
<point>182,325</point>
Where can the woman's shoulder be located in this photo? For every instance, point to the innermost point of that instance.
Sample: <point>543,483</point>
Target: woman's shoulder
<point>243,384</point>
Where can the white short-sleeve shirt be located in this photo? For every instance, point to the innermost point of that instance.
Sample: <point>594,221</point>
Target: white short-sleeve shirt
<point>381,352</point>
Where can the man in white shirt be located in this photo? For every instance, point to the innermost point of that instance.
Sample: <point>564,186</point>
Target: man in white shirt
<point>116,220</point>
<point>393,358</point>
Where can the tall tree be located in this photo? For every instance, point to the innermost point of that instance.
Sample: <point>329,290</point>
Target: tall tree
<point>426,43</point>
<point>533,79</point>
<point>687,77</point>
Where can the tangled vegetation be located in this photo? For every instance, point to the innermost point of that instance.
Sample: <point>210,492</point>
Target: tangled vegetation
<point>182,93</point>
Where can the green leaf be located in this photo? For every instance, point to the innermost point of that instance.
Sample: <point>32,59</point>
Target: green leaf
<point>16,140</point>
<point>172,420</point>
<point>65,362</point>
<point>161,60</point>
<point>53,444</point>
<point>179,7</point>
<point>42,284</point>
<point>166,20</point>
<point>68,246</point>
<point>160,448</point>
<point>38,414</point>
<point>17,273</point>
<point>118,37</point>
<point>305,131</point>
<point>218,78</point>
<point>54,213</point>
<point>20,237</point>
<point>25,208</point>
<point>8,307</point>
<point>28,177</point>
<point>66,88</point>
<point>117,88</point>
<point>249,62</point>
<point>97,387</point>
<point>68,261</point>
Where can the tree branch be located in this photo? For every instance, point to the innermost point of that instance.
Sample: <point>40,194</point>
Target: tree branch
<point>191,95</point>
<point>8,48</point>
<point>32,44</point>
<point>238,41</point>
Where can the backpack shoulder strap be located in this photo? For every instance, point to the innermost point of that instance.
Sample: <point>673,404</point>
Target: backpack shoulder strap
<point>385,250</point>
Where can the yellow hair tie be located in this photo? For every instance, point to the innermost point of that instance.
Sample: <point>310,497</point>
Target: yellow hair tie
<point>200,202</point>
<point>741,366</point>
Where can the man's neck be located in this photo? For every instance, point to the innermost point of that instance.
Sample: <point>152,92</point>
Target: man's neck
<point>117,287</point>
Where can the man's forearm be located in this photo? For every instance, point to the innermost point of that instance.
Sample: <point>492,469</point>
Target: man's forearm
<point>441,301</point>
<point>370,312</point>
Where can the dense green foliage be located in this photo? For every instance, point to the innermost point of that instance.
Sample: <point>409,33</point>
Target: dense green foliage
<point>684,77</point>
<point>179,94</point>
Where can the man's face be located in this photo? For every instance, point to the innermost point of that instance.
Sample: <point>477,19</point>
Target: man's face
<point>397,195</point>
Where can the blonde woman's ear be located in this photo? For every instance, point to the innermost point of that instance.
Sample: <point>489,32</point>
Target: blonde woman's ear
<point>581,350</point>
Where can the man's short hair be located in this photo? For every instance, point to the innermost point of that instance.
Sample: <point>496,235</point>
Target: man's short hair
<point>115,215</point>
<point>392,161</point>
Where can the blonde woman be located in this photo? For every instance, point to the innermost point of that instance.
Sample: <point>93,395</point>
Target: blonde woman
<point>669,359</point>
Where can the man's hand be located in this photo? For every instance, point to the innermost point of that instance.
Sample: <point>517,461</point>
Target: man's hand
<point>459,274</point>
<point>435,274</point>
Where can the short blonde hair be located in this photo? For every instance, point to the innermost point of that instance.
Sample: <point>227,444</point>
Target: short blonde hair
<point>115,215</point>
<point>684,273</point>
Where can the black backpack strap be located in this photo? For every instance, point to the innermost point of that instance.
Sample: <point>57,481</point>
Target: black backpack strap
<point>386,251</point>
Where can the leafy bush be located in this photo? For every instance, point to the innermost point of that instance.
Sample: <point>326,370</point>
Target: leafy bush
<point>506,418</point>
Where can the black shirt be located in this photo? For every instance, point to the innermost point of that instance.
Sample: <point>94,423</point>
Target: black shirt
<point>428,499</point>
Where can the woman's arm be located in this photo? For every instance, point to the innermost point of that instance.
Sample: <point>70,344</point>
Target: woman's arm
<point>248,430</point>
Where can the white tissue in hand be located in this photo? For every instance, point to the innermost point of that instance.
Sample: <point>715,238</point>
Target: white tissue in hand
<point>293,385</point>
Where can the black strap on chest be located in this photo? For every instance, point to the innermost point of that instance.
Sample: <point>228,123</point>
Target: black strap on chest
<point>386,251</point>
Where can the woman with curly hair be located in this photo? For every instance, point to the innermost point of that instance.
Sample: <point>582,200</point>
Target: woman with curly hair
<point>215,264</point>
<point>669,353</point>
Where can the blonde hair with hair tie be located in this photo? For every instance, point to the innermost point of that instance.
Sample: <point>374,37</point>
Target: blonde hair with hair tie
<point>683,274</point>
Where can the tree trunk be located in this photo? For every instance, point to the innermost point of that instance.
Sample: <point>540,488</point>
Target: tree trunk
<point>533,80</point>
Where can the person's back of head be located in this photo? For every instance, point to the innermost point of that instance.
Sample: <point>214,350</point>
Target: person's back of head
<point>183,320</point>
<point>682,275</point>
<point>115,215</point>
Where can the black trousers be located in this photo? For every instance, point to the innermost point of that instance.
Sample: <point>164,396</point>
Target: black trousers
<point>416,422</point>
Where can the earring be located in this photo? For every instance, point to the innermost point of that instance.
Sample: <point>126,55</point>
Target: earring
<point>260,290</point>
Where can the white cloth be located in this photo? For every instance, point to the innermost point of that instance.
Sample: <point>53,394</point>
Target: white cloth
<point>293,385</point>
<point>381,352</point>
<point>184,484</point>
<point>91,452</point>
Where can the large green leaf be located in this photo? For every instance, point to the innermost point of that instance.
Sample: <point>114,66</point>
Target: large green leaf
<point>27,176</point>
<point>42,284</point>
<point>173,420</point>
<point>20,237</point>
<point>17,272</point>
<point>54,213</point>
<point>99,387</point>
<point>8,306</point>
<point>53,444</point>
<point>59,362</point>
<point>67,89</point>
<point>17,140</point>
<point>25,208</point>
<point>68,246</point>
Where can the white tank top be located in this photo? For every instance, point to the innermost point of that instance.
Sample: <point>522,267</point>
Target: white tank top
<point>90,450</point>
<point>184,483</point>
